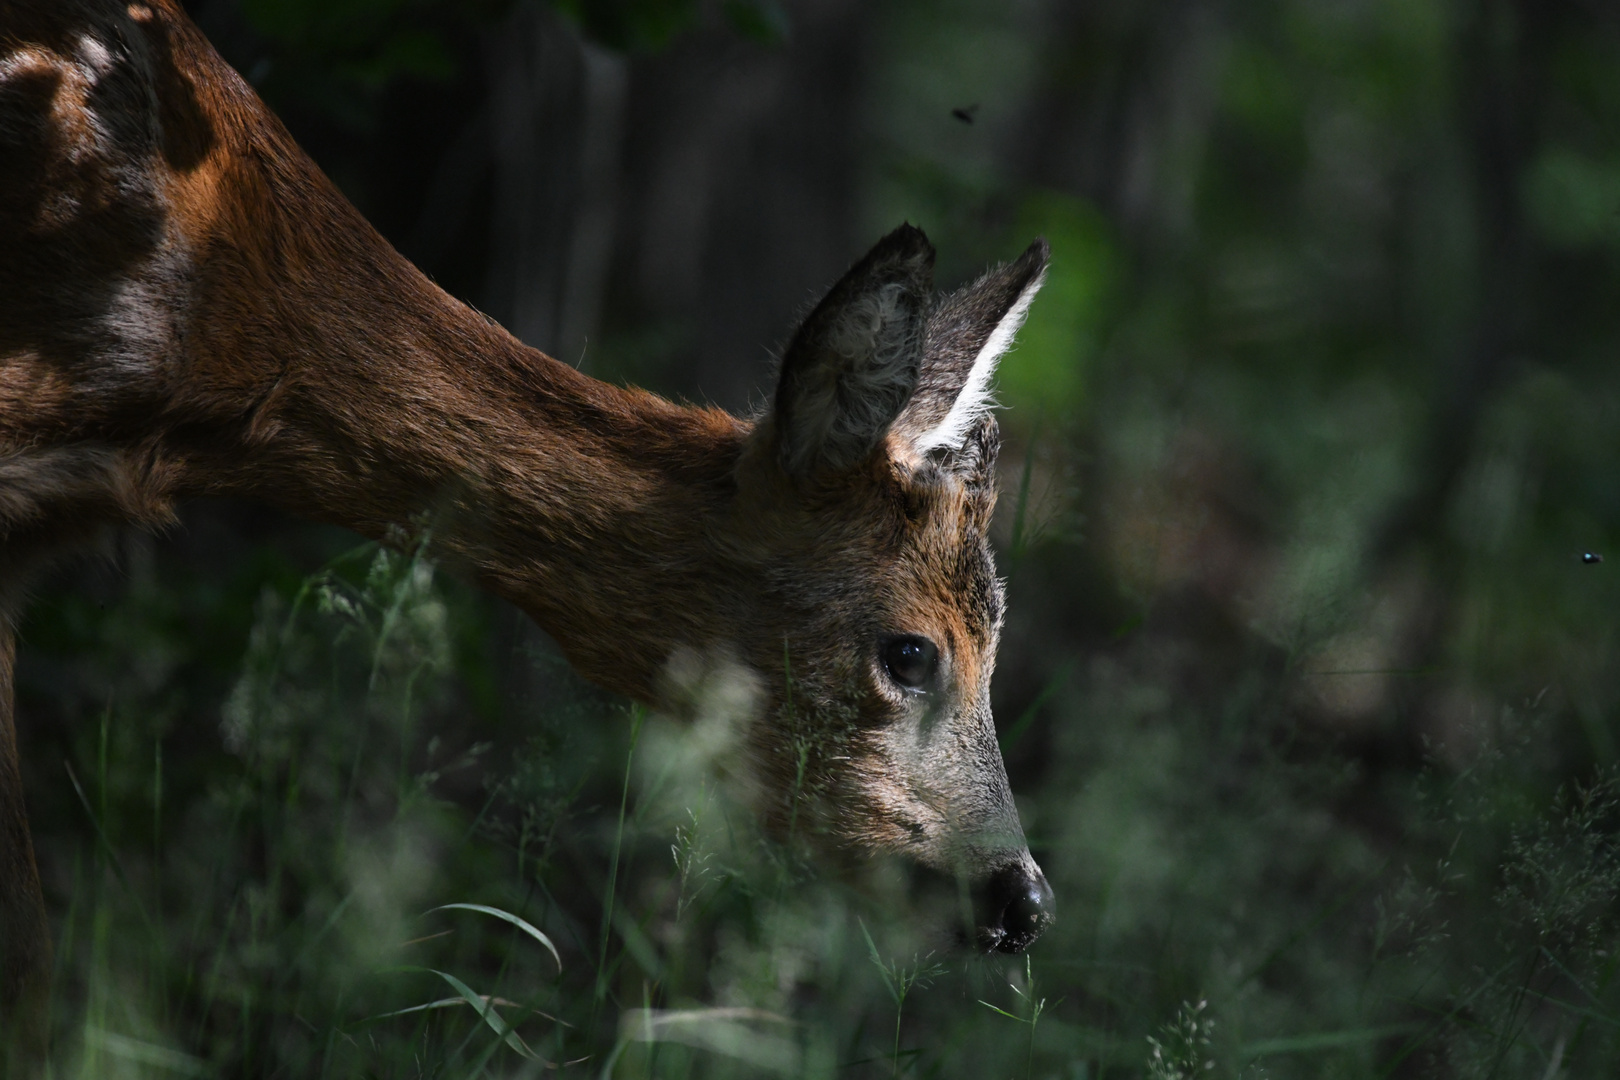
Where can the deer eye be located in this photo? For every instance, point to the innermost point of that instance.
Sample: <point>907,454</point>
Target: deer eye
<point>911,660</point>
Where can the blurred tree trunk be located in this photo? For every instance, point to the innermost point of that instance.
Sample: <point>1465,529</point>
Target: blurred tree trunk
<point>705,192</point>
<point>1502,60</point>
<point>540,90</point>
<point>743,169</point>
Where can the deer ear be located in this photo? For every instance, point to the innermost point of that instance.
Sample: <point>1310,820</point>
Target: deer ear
<point>965,337</point>
<point>852,366</point>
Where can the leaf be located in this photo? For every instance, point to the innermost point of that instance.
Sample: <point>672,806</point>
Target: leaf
<point>141,1052</point>
<point>630,25</point>
<point>727,1031</point>
<point>883,969</point>
<point>494,1019</point>
<point>506,916</point>
<point>457,1002</point>
<point>1326,1040</point>
<point>760,21</point>
<point>1003,1012</point>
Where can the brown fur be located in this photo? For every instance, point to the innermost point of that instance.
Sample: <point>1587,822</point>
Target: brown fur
<point>189,307</point>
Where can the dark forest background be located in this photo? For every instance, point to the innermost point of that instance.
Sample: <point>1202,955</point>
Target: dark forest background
<point>1309,690</point>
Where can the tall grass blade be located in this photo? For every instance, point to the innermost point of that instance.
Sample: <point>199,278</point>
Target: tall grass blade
<point>152,1055</point>
<point>484,1007</point>
<point>505,916</point>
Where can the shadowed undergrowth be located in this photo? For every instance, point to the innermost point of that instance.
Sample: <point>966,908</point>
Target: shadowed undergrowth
<point>360,884</point>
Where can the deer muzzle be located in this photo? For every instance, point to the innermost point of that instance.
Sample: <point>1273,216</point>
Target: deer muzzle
<point>1013,908</point>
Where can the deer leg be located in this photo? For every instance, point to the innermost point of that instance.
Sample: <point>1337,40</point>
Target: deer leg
<point>25,944</point>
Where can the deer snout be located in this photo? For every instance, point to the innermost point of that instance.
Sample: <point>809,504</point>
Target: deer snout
<point>1015,907</point>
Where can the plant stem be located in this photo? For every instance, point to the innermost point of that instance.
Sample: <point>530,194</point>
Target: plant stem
<point>899,1011</point>
<point>637,715</point>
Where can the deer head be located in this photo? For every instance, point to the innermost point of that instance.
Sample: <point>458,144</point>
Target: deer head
<point>868,491</point>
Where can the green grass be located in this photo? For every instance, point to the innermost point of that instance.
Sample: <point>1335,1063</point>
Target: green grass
<point>360,888</point>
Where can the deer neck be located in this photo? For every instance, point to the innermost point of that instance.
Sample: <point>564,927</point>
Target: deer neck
<point>589,506</point>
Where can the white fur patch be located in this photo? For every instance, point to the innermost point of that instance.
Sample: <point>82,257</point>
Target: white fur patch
<point>94,55</point>
<point>136,327</point>
<point>23,61</point>
<point>975,399</point>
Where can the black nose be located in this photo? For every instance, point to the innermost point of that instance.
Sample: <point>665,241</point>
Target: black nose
<point>1017,908</point>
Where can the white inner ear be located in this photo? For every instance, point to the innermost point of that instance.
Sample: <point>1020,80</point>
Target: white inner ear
<point>975,400</point>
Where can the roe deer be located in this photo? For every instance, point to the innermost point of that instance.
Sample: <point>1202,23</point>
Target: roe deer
<point>189,307</point>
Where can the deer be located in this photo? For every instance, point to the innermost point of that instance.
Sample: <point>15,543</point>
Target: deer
<point>190,308</point>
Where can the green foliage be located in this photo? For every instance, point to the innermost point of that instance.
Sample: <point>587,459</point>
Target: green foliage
<point>1181,1049</point>
<point>900,980</point>
<point>311,907</point>
<point>1032,1007</point>
<point>1064,332</point>
<point>761,21</point>
<point>338,56</point>
<point>630,24</point>
<point>370,41</point>
<point>1575,201</point>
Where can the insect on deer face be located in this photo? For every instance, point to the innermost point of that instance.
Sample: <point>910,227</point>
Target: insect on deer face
<point>883,610</point>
